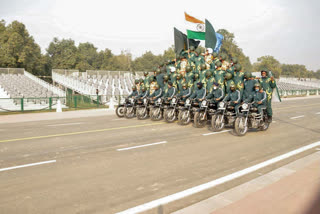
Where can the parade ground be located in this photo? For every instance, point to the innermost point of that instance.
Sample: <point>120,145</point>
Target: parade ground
<point>94,162</point>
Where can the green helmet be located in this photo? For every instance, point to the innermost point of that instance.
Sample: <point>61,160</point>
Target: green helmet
<point>144,88</point>
<point>234,60</point>
<point>218,64</point>
<point>166,77</point>
<point>136,81</point>
<point>257,85</point>
<point>192,48</point>
<point>203,67</point>
<point>141,80</point>
<point>157,86</point>
<point>184,85</point>
<point>237,67</point>
<point>145,73</point>
<point>232,85</point>
<point>215,55</point>
<point>228,76</point>
<point>196,76</point>
<point>247,74</point>
<point>158,71</point>
<point>179,76</point>
<point>208,73</point>
<point>134,87</point>
<point>223,56</point>
<point>188,69</point>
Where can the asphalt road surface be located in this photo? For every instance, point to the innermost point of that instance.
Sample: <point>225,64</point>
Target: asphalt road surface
<point>107,165</point>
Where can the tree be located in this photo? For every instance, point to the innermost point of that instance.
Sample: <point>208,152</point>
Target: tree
<point>268,63</point>
<point>18,49</point>
<point>62,54</point>
<point>231,49</point>
<point>147,62</point>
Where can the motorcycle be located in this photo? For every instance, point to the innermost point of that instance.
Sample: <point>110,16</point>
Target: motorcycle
<point>156,109</point>
<point>171,112</point>
<point>203,114</point>
<point>225,115</point>
<point>186,113</point>
<point>143,109</point>
<point>250,118</point>
<point>130,109</point>
<point>121,108</point>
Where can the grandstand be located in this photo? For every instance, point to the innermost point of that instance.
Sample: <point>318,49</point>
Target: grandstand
<point>20,89</point>
<point>110,84</point>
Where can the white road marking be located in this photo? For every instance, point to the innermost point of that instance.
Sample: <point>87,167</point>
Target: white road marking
<point>273,121</point>
<point>116,119</point>
<point>318,149</point>
<point>318,113</point>
<point>27,165</point>
<point>134,147</point>
<point>211,133</point>
<point>196,189</point>
<point>65,124</point>
<point>296,117</point>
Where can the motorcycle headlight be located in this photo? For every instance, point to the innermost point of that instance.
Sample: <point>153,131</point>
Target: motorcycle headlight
<point>245,106</point>
<point>221,105</point>
<point>145,100</point>
<point>204,103</point>
<point>174,100</point>
<point>159,100</point>
<point>131,100</point>
<point>188,101</point>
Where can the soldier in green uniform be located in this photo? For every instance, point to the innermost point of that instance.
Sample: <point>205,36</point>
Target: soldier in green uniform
<point>215,58</point>
<point>146,80</point>
<point>159,78</point>
<point>228,80</point>
<point>249,85</point>
<point>198,60</point>
<point>216,95</point>
<point>180,81</point>
<point>165,81</point>
<point>134,92</point>
<point>199,94</point>
<point>209,81</point>
<point>234,61</point>
<point>195,82</point>
<point>141,83</point>
<point>234,97</point>
<point>145,93</point>
<point>153,84</point>
<point>268,84</point>
<point>202,74</point>
<point>189,76</point>
<point>171,92</point>
<point>238,78</point>
<point>158,93</point>
<point>185,93</point>
<point>259,97</point>
<point>219,74</point>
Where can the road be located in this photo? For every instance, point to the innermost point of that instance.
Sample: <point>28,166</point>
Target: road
<point>95,170</point>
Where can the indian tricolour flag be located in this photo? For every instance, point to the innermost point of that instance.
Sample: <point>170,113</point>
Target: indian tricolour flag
<point>195,28</point>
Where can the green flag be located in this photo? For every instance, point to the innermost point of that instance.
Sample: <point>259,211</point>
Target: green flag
<point>210,36</point>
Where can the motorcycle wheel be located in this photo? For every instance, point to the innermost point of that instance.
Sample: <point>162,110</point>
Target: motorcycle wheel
<point>142,115</point>
<point>198,123</point>
<point>170,115</point>
<point>216,123</point>
<point>129,113</point>
<point>239,129</point>
<point>156,114</point>
<point>183,119</point>
<point>120,111</point>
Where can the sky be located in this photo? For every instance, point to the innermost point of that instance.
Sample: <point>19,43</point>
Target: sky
<point>287,30</point>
